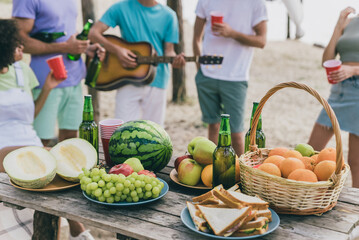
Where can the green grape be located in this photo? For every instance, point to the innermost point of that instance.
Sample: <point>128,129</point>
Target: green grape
<point>95,171</point>
<point>107,177</point>
<point>141,177</point>
<point>101,183</point>
<point>132,187</point>
<point>119,194</point>
<point>117,198</point>
<point>127,183</point>
<point>112,190</point>
<point>126,191</point>
<point>135,199</point>
<point>122,178</point>
<point>140,195</point>
<point>123,197</point>
<point>154,184</point>
<point>129,199</point>
<point>119,186</point>
<point>139,190</point>
<point>155,190</point>
<point>102,198</point>
<point>98,192</point>
<point>162,184</point>
<point>155,195</point>
<point>96,178</point>
<point>81,175</point>
<point>145,198</point>
<point>102,171</point>
<point>86,172</point>
<point>88,187</point>
<point>107,193</point>
<point>132,179</point>
<point>148,179</point>
<point>133,194</point>
<point>88,192</point>
<point>148,194</point>
<point>110,199</point>
<point>148,187</point>
<point>93,186</point>
<point>82,181</point>
<point>109,185</point>
<point>143,184</point>
<point>157,180</point>
<point>137,183</point>
<point>83,187</point>
<point>115,178</point>
<point>134,175</point>
<point>87,180</point>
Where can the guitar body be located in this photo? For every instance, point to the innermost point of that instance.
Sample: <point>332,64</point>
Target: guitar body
<point>113,75</point>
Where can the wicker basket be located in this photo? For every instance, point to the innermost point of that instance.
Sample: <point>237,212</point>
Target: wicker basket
<point>289,196</point>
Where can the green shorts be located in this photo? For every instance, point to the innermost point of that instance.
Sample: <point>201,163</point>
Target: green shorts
<point>219,96</point>
<point>64,105</point>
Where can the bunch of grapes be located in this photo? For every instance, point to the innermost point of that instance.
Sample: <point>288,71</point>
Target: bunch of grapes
<point>112,188</point>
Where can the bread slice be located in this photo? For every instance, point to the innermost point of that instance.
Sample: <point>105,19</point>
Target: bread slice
<point>255,227</point>
<point>246,200</point>
<point>265,213</point>
<point>206,195</point>
<point>199,222</point>
<point>223,195</point>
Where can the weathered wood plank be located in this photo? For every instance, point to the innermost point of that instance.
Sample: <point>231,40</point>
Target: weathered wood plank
<point>10,205</point>
<point>349,195</point>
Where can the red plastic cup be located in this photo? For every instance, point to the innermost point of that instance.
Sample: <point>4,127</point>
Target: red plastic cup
<point>57,66</point>
<point>330,66</point>
<point>107,128</point>
<point>216,17</point>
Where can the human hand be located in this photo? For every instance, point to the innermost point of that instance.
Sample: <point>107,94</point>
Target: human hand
<point>76,46</point>
<point>126,57</point>
<point>100,51</point>
<point>343,73</point>
<point>343,18</point>
<point>51,82</point>
<point>179,61</point>
<point>222,29</point>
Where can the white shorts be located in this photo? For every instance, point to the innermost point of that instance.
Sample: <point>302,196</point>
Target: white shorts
<point>145,103</point>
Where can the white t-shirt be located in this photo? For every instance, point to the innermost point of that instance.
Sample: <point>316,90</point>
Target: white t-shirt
<point>242,16</point>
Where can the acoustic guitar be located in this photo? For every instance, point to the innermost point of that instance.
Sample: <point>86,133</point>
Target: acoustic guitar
<point>113,75</point>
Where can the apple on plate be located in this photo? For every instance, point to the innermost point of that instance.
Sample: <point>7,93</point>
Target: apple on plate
<point>179,160</point>
<point>202,149</point>
<point>123,168</point>
<point>192,144</point>
<point>189,172</point>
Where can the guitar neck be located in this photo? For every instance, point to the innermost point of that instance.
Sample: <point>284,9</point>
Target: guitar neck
<point>161,59</point>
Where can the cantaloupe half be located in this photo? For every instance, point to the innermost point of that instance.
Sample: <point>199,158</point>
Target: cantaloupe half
<point>30,167</point>
<point>71,156</point>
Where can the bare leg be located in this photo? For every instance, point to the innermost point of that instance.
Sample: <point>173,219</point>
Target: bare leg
<point>320,136</point>
<point>238,143</point>
<point>353,158</point>
<point>75,228</point>
<point>3,152</point>
<point>213,130</point>
<point>66,134</point>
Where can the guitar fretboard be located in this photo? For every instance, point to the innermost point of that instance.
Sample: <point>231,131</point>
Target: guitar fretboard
<point>161,59</point>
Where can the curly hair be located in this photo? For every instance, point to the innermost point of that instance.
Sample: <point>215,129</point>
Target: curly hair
<point>9,41</point>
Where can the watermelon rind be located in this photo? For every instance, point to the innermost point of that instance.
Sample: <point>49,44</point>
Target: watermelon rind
<point>30,167</point>
<point>142,139</point>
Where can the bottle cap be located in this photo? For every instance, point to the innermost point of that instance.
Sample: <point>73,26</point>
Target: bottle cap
<point>225,115</point>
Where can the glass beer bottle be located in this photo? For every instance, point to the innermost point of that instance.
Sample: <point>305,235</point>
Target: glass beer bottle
<point>260,137</point>
<point>93,72</point>
<point>82,36</point>
<point>47,36</point>
<point>88,129</point>
<point>224,157</point>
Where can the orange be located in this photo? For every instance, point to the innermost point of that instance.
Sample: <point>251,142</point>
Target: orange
<point>237,169</point>
<point>278,151</point>
<point>324,170</point>
<point>303,175</point>
<point>276,159</point>
<point>270,168</point>
<point>315,157</point>
<point>327,154</point>
<point>292,153</point>
<point>290,164</point>
<point>207,174</point>
<point>309,162</point>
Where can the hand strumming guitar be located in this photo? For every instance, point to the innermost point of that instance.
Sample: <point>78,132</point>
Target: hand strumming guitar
<point>126,57</point>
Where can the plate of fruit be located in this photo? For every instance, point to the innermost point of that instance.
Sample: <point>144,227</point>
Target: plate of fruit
<point>195,169</point>
<point>122,185</point>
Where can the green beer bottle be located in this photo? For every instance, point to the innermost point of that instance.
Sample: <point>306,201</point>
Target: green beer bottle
<point>47,36</point>
<point>88,129</point>
<point>224,157</point>
<point>93,72</point>
<point>260,137</point>
<point>82,36</point>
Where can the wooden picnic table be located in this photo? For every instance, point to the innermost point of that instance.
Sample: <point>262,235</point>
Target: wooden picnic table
<point>161,218</point>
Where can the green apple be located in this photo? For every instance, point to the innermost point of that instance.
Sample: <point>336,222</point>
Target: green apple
<point>305,149</point>
<point>203,151</point>
<point>192,144</point>
<point>135,163</point>
<point>189,172</point>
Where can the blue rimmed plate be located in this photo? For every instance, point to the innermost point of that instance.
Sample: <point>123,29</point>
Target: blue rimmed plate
<point>162,193</point>
<point>187,220</point>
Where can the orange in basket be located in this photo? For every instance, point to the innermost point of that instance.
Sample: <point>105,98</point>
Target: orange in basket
<point>324,170</point>
<point>290,164</point>
<point>278,151</point>
<point>276,159</point>
<point>327,154</point>
<point>303,175</point>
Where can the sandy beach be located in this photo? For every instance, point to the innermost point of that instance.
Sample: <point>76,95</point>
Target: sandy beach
<point>288,116</point>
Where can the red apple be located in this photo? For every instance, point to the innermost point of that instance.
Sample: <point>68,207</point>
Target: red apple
<point>189,172</point>
<point>146,172</point>
<point>123,168</point>
<point>179,160</point>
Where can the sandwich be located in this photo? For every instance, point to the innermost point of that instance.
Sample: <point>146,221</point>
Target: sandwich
<point>225,221</point>
<point>254,227</point>
<point>199,222</point>
<point>265,213</point>
<point>208,196</point>
<point>238,197</point>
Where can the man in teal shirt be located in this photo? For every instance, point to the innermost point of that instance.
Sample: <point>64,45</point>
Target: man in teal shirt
<point>149,21</point>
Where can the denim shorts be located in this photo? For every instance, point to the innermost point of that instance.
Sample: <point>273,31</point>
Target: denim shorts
<point>64,105</point>
<point>219,96</point>
<point>344,99</point>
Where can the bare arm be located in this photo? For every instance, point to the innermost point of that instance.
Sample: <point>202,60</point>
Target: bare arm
<point>34,46</point>
<point>198,36</point>
<point>126,57</point>
<point>258,40</point>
